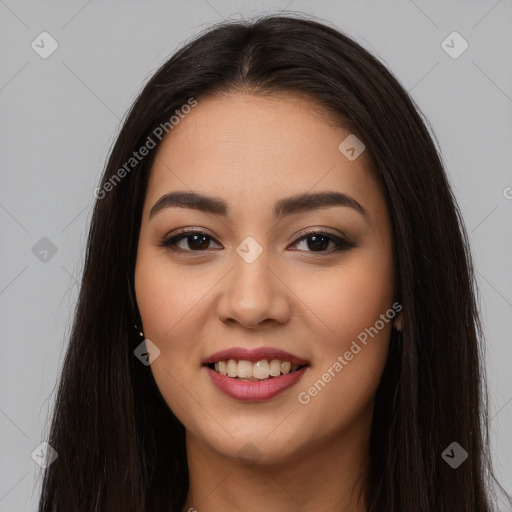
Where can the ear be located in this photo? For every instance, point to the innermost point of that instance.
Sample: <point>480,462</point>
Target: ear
<point>398,321</point>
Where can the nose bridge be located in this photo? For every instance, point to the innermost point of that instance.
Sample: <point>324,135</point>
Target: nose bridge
<point>253,293</point>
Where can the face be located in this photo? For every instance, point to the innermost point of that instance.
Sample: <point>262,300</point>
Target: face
<point>315,282</point>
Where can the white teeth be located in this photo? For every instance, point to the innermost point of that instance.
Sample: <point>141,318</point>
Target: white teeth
<point>245,369</point>
<point>260,370</point>
<point>275,367</point>
<point>232,368</point>
<point>254,371</point>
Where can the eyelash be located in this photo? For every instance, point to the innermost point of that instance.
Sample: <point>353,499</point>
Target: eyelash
<point>170,243</point>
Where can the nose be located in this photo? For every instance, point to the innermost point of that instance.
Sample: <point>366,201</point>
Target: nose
<point>253,294</point>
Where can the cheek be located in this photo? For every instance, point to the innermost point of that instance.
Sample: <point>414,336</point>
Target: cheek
<point>173,306</point>
<point>351,298</point>
<point>354,302</point>
<point>167,297</point>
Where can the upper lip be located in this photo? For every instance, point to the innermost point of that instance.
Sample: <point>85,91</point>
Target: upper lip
<point>254,355</point>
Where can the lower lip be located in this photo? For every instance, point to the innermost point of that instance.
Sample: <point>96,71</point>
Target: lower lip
<point>254,391</point>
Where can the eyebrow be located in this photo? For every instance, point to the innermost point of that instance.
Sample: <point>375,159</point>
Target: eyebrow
<point>286,206</point>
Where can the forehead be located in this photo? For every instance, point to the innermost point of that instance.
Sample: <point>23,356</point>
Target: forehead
<point>253,150</point>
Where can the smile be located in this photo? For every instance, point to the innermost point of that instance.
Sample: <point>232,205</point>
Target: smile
<point>249,371</point>
<point>254,374</point>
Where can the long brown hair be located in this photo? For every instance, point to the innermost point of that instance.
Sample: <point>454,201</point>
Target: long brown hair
<point>120,447</point>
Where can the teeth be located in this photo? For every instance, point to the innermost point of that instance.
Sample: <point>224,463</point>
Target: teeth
<point>232,368</point>
<point>260,370</point>
<point>245,369</point>
<point>286,367</point>
<point>275,367</point>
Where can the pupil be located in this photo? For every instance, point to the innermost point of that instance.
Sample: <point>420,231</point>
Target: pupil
<point>204,245</point>
<point>318,243</point>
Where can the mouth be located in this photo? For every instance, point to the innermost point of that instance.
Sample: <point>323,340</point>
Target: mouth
<point>253,365</point>
<point>264,369</point>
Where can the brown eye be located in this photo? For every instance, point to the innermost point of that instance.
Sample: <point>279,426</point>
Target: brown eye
<point>195,241</point>
<point>319,242</point>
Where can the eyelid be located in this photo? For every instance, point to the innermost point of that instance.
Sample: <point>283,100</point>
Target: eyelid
<point>320,230</point>
<point>186,230</point>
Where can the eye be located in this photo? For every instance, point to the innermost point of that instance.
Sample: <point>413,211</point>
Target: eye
<point>319,241</point>
<point>198,241</point>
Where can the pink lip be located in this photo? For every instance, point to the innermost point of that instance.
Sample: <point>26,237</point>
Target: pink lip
<point>254,391</point>
<point>254,355</point>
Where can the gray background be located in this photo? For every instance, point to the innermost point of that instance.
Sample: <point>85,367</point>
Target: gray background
<point>60,115</point>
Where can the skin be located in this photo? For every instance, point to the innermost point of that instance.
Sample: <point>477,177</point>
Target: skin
<point>252,151</point>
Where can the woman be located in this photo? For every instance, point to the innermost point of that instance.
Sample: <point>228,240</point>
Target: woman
<point>277,307</point>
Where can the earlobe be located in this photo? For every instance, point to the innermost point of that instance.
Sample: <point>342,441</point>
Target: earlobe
<point>398,321</point>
